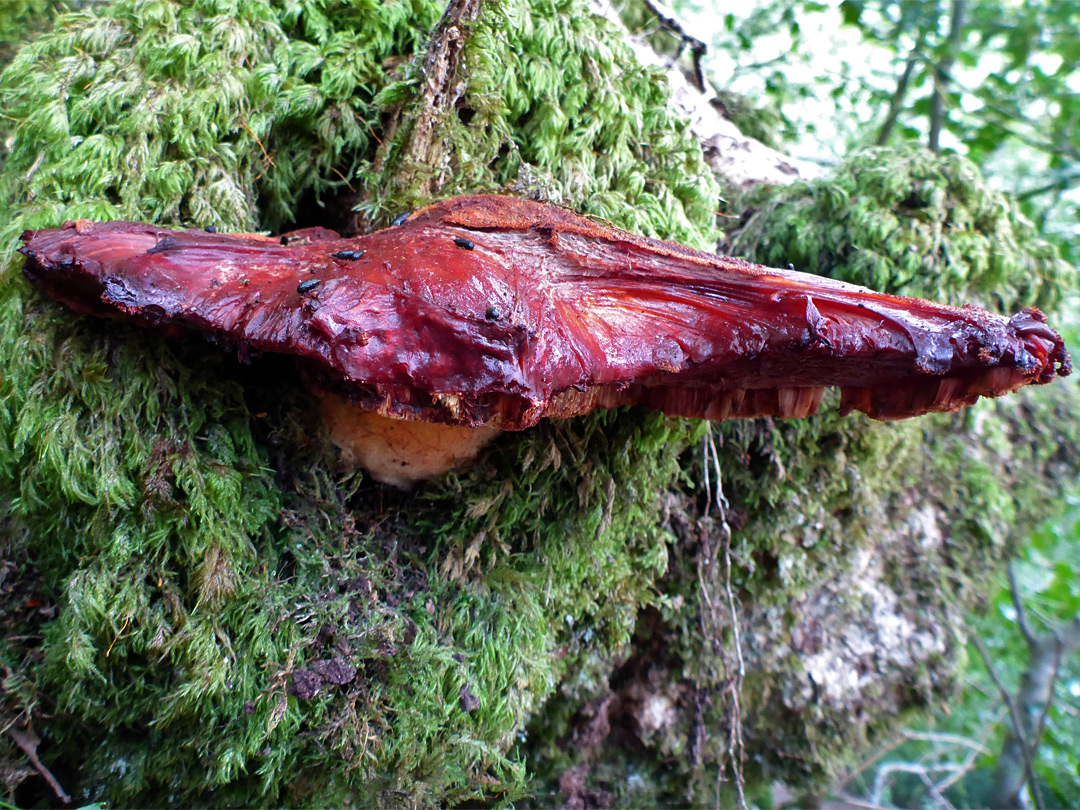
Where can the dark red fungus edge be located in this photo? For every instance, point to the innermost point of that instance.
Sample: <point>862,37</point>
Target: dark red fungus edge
<point>544,314</point>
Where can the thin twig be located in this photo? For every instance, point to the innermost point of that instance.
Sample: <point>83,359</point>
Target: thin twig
<point>962,770</point>
<point>946,739</point>
<point>856,802</point>
<point>1025,748</point>
<point>885,772</point>
<point>896,103</point>
<point>28,741</point>
<point>937,101</point>
<point>1021,614</point>
<point>1061,184</point>
<point>670,23</point>
<point>882,751</point>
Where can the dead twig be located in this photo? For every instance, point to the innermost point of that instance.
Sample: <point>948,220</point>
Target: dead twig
<point>670,23</point>
<point>28,741</point>
<point>1014,715</point>
<point>885,772</point>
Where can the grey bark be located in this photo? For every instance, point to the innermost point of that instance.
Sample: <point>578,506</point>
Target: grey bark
<point>740,160</point>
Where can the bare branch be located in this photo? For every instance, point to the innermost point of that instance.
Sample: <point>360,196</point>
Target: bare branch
<point>886,771</point>
<point>1017,724</point>
<point>854,801</point>
<point>1033,698</point>
<point>897,101</point>
<point>1018,604</point>
<point>28,741</point>
<point>947,739</point>
<point>1060,185</point>
<point>673,26</point>
<point>740,160</point>
<point>937,104</point>
<point>883,751</point>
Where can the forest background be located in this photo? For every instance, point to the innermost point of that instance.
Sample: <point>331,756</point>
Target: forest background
<point>994,84</point>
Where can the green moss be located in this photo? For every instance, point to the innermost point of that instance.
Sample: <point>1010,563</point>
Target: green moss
<point>198,551</point>
<point>909,223</point>
<point>858,547</point>
<point>180,513</point>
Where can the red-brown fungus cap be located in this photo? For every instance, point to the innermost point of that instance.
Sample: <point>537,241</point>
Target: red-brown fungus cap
<point>489,310</point>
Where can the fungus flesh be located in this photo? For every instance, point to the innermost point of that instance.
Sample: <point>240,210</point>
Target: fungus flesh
<point>487,313</point>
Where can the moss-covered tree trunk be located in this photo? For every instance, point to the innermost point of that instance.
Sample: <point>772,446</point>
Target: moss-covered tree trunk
<point>200,605</point>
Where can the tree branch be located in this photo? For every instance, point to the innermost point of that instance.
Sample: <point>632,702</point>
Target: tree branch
<point>1035,695</point>
<point>1018,732</point>
<point>897,101</point>
<point>423,147</point>
<point>672,25</point>
<point>1060,185</point>
<point>740,160</point>
<point>28,741</point>
<point>1021,614</point>
<point>937,105</point>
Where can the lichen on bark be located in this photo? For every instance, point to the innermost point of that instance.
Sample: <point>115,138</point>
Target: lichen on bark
<point>222,615</point>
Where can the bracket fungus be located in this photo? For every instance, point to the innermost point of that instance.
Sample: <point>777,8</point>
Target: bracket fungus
<point>487,313</point>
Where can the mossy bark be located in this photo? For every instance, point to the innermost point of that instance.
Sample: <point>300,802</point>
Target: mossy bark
<point>199,605</point>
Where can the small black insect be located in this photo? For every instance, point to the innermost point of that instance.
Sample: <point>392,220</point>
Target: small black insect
<point>163,244</point>
<point>349,255</point>
<point>492,314</point>
<point>400,218</point>
<point>464,244</point>
<point>307,286</point>
<point>790,266</point>
<point>210,229</point>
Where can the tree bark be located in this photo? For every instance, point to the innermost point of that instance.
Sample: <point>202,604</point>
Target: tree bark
<point>741,161</point>
<point>420,163</point>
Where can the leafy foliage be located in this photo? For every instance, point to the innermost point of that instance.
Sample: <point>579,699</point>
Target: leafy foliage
<point>1010,95</point>
<point>1007,85</point>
